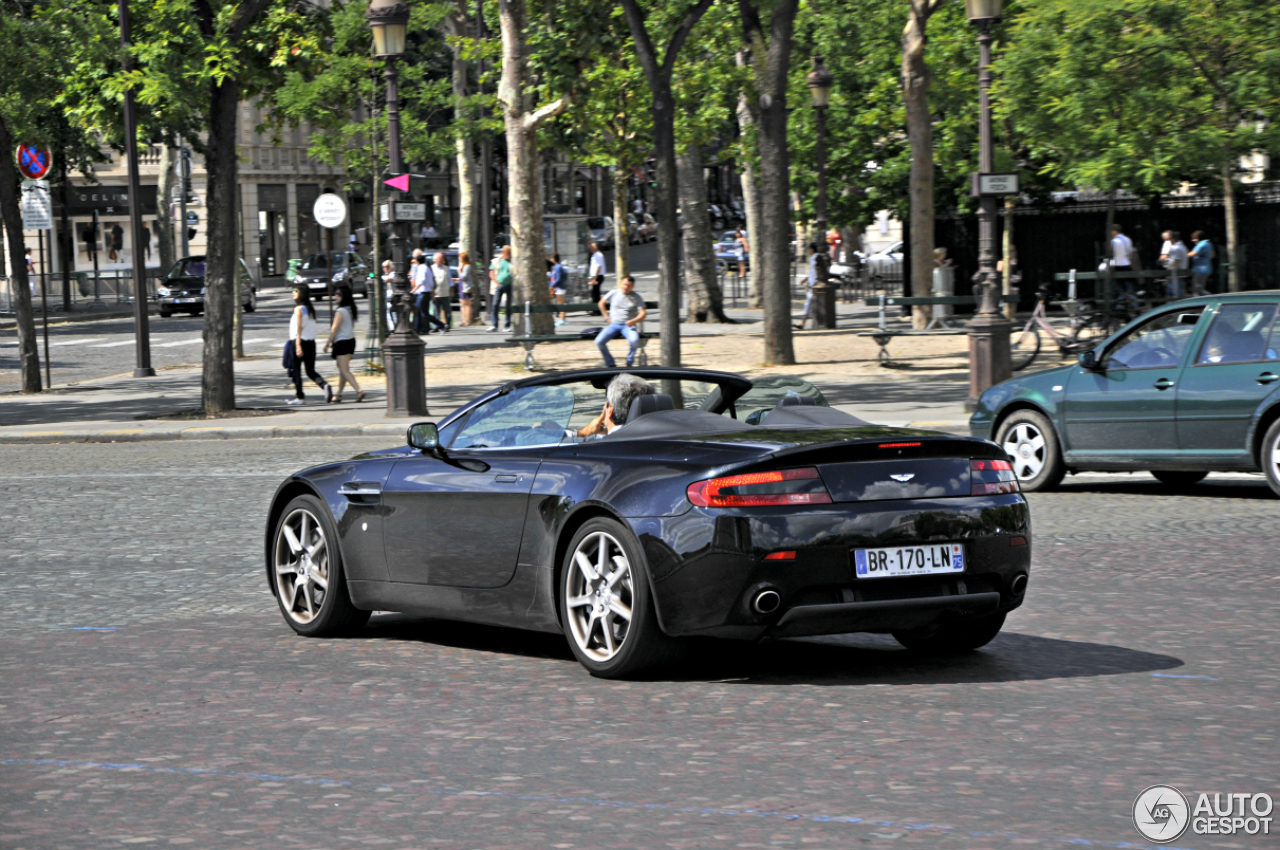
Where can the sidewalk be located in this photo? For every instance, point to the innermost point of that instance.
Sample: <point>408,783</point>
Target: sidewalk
<point>927,392</point>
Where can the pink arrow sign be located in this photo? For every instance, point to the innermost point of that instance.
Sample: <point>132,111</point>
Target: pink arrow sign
<point>401,182</point>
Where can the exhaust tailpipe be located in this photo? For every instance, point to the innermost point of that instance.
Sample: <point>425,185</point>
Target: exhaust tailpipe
<point>1019,584</point>
<point>766,602</point>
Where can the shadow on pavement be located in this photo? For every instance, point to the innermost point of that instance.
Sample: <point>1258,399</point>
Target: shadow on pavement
<point>836,661</point>
<point>1142,484</point>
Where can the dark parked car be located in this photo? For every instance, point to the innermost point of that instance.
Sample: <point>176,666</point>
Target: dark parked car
<point>1184,390</point>
<point>182,289</point>
<point>348,268</point>
<point>717,509</point>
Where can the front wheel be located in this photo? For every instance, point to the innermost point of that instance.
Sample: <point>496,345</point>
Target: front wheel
<point>1032,445</point>
<point>606,607</point>
<point>1023,348</point>
<point>307,575</point>
<point>1270,456</point>
<point>964,636</point>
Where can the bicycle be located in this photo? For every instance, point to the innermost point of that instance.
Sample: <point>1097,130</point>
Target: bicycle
<point>1087,328</point>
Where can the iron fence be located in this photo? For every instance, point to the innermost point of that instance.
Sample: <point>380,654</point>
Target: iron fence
<point>88,291</point>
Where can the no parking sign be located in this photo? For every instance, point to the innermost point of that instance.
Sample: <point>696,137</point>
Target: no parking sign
<point>34,161</point>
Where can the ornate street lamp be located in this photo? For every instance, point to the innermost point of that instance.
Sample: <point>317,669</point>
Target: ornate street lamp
<point>820,82</point>
<point>403,350</point>
<point>989,330</point>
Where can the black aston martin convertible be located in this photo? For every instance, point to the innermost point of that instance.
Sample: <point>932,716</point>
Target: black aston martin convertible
<point>722,507</point>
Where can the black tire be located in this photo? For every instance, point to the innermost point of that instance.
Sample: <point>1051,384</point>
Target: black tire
<point>953,638</point>
<point>1023,348</point>
<point>639,646</point>
<point>1178,480</point>
<point>1032,445</point>
<point>1269,456</point>
<point>164,314</point>
<point>331,612</point>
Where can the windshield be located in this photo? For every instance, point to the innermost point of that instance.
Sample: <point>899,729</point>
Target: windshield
<point>188,267</point>
<point>596,223</point>
<point>318,261</point>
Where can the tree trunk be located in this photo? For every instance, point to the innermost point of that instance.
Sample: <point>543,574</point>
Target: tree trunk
<point>20,285</point>
<point>621,230</point>
<point>218,389</point>
<point>164,199</point>
<point>915,94</point>
<point>1233,228</point>
<point>750,192</point>
<point>524,189</point>
<point>770,259</point>
<point>467,194</point>
<point>705,297</point>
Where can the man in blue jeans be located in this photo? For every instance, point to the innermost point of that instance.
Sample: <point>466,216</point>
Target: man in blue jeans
<point>623,308</point>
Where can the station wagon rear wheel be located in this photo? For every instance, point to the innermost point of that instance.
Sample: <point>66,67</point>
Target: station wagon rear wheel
<point>1270,456</point>
<point>1032,445</point>
<point>606,608</point>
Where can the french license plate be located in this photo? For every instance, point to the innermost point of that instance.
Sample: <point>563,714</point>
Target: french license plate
<point>184,301</point>
<point>893,561</point>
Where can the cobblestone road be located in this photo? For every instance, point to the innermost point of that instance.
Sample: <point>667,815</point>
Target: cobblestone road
<point>151,694</point>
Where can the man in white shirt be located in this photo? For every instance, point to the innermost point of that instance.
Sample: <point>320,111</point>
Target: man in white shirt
<point>596,272</point>
<point>442,288</point>
<point>1178,264</point>
<point>1122,259</point>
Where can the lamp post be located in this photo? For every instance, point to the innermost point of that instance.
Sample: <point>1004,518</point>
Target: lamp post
<point>988,330</point>
<point>820,82</point>
<point>403,350</point>
<point>141,322</point>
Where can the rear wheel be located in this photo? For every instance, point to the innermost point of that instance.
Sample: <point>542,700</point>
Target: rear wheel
<point>1178,480</point>
<point>606,608</point>
<point>963,636</point>
<point>1032,445</point>
<point>306,569</point>
<point>1023,348</point>
<point>164,314</point>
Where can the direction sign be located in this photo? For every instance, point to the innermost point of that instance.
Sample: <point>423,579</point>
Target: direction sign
<point>995,184</point>
<point>400,183</point>
<point>34,161</point>
<point>410,212</point>
<point>37,205</point>
<point>329,210</point>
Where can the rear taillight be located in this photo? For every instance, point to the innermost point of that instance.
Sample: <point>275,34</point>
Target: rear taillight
<point>987,477</point>
<point>761,489</point>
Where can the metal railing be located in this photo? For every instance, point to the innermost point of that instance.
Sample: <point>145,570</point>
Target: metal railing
<point>88,291</point>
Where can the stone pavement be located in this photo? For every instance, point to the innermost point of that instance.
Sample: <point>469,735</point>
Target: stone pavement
<point>926,390</point>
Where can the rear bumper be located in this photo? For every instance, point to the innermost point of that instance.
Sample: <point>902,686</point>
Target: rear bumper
<point>706,567</point>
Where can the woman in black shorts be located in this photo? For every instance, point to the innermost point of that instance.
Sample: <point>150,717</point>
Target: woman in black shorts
<point>342,339</point>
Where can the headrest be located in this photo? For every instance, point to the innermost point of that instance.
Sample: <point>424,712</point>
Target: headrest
<point>643,404</point>
<point>794,400</point>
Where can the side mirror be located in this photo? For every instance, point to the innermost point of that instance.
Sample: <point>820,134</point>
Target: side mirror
<point>424,436</point>
<point>1089,360</point>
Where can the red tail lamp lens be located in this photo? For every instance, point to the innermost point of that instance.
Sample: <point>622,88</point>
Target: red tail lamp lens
<point>780,556</point>
<point>991,477</point>
<point>761,489</point>
<point>897,445</point>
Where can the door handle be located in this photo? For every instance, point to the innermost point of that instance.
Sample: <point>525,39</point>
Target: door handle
<point>1268,378</point>
<point>1163,384</point>
<point>360,488</point>
<point>506,479</point>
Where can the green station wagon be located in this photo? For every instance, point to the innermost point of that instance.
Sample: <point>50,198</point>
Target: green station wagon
<point>1184,390</point>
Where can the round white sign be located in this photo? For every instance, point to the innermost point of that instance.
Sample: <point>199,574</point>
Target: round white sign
<point>329,210</point>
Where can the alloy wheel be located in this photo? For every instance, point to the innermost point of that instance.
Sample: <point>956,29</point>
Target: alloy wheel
<point>301,566</point>
<point>1026,446</point>
<point>599,596</point>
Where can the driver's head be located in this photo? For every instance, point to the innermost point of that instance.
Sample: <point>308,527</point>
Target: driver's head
<point>623,390</point>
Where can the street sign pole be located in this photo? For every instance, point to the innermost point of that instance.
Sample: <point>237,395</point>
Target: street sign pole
<point>142,328</point>
<point>183,164</point>
<point>329,211</point>
<point>44,307</point>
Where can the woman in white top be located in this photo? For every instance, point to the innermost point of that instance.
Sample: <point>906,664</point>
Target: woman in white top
<point>302,339</point>
<point>466,286</point>
<point>342,338</point>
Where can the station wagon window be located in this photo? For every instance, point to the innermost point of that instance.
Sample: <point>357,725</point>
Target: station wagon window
<point>1239,335</point>
<point>529,416</point>
<point>1155,344</point>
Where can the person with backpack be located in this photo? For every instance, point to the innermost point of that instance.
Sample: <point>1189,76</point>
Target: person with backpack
<point>300,350</point>
<point>1201,257</point>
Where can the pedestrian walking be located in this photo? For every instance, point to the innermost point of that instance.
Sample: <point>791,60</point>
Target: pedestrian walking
<point>31,273</point>
<point>1122,260</point>
<point>834,242</point>
<point>1201,257</point>
<point>389,283</point>
<point>342,339</point>
<point>623,309</point>
<point>743,252</point>
<point>813,281</point>
<point>596,272</point>
<point>423,287</point>
<point>300,351</point>
<point>502,276</point>
<point>1177,263</point>
<point>442,292</point>
<point>466,287</point>
<point>559,280</point>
